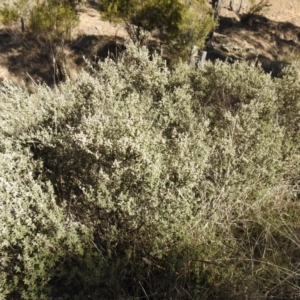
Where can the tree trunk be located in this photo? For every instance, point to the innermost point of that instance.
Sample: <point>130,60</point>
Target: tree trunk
<point>216,5</point>
<point>22,25</point>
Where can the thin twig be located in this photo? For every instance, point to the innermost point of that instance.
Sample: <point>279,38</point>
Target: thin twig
<point>143,290</point>
<point>187,292</point>
<point>31,78</point>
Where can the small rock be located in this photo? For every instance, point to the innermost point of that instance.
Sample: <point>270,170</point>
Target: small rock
<point>230,59</point>
<point>224,48</point>
<point>236,48</point>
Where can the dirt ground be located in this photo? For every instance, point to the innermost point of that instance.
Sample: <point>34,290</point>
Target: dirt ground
<point>271,38</point>
<point>278,11</point>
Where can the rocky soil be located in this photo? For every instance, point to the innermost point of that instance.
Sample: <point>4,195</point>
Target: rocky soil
<point>271,39</point>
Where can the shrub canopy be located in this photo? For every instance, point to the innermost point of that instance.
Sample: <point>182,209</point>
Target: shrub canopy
<point>136,180</point>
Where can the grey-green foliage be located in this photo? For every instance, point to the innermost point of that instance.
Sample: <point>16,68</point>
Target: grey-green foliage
<point>126,151</point>
<point>288,91</point>
<point>146,180</point>
<point>35,234</point>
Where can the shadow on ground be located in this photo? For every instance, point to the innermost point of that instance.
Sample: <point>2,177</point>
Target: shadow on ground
<point>96,47</point>
<point>255,39</point>
<point>26,59</point>
<point>33,62</point>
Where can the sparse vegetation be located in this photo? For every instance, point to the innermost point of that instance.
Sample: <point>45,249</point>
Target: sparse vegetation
<point>257,7</point>
<point>45,26</point>
<point>140,182</point>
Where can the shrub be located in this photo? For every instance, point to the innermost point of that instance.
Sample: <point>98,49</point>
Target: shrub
<point>152,183</point>
<point>196,25</point>
<point>179,24</point>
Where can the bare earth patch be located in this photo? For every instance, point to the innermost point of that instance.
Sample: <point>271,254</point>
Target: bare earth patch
<point>91,23</point>
<point>271,38</point>
<point>278,11</point>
